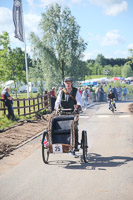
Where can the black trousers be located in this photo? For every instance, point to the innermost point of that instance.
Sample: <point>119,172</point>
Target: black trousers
<point>52,103</point>
<point>10,110</point>
<point>76,132</point>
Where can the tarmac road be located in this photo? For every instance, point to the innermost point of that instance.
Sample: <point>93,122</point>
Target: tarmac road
<point>108,175</point>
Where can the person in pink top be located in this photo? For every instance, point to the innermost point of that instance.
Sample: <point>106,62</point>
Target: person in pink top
<point>80,91</point>
<point>53,98</point>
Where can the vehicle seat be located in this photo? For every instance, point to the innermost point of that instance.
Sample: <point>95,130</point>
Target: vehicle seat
<point>61,129</point>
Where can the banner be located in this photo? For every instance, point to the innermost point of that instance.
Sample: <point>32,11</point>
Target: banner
<point>17,19</point>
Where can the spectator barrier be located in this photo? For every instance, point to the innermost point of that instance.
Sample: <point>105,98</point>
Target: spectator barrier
<point>23,107</point>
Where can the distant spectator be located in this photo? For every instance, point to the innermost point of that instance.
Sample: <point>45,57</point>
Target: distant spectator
<point>101,93</point>
<point>59,89</point>
<point>115,93</point>
<point>80,91</point>
<point>119,93</point>
<point>88,91</point>
<point>125,93</point>
<point>85,97</point>
<point>9,103</point>
<point>117,90</point>
<point>97,92</point>
<point>53,98</point>
<point>110,88</point>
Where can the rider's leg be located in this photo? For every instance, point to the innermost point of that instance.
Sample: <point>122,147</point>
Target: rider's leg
<point>76,134</point>
<point>109,103</point>
<point>114,104</point>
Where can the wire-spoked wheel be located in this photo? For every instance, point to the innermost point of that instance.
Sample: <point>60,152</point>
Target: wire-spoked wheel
<point>84,145</point>
<point>45,147</point>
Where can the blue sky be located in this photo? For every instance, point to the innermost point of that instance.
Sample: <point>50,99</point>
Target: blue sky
<point>106,25</point>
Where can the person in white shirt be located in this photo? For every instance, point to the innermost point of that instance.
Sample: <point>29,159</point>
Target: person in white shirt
<point>70,98</point>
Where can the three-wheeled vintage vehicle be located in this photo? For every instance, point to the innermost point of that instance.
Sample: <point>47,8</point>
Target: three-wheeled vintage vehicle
<point>60,135</point>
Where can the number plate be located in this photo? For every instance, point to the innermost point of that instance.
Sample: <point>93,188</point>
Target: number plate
<point>57,148</point>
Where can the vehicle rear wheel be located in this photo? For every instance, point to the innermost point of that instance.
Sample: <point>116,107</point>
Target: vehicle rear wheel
<point>84,145</point>
<point>112,108</point>
<point>45,147</point>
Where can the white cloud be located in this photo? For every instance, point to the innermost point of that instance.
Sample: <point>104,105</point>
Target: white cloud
<point>76,1</point>
<point>6,24</point>
<point>112,38</point>
<point>44,3</point>
<point>31,23</point>
<point>111,7</point>
<point>30,2</point>
<point>121,54</point>
<point>130,46</point>
<point>116,9</point>
<point>90,55</point>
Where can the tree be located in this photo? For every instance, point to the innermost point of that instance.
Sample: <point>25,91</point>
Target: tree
<point>116,70</point>
<point>11,62</point>
<point>4,50</point>
<point>100,60</point>
<point>60,48</point>
<point>130,61</point>
<point>15,67</point>
<point>127,71</point>
<point>109,70</point>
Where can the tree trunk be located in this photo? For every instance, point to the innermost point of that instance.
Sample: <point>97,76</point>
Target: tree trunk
<point>62,69</point>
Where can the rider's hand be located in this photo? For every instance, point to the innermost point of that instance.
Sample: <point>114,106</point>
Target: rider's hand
<point>76,107</point>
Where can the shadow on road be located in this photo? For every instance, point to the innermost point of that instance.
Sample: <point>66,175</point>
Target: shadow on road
<point>95,161</point>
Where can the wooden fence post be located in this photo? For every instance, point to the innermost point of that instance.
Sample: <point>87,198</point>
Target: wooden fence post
<point>18,107</point>
<point>24,107</point>
<point>42,102</point>
<point>4,108</point>
<point>38,102</point>
<point>29,107</point>
<point>34,104</point>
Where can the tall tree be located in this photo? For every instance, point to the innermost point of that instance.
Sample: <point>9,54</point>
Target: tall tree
<point>4,51</point>
<point>60,47</point>
<point>127,71</point>
<point>100,60</point>
<point>11,62</point>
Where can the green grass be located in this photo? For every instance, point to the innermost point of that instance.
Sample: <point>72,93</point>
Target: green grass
<point>24,95</point>
<point>5,122</point>
<point>21,104</point>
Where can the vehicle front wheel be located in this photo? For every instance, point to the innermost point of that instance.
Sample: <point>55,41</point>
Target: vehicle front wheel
<point>45,147</point>
<point>84,145</point>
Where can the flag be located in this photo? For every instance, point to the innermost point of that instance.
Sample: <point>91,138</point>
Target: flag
<point>17,19</point>
<point>46,143</point>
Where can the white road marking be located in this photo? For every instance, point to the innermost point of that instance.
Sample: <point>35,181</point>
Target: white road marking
<point>103,116</point>
<point>84,117</point>
<point>124,116</point>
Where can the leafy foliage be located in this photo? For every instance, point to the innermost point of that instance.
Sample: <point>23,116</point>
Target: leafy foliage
<point>60,49</point>
<point>11,62</point>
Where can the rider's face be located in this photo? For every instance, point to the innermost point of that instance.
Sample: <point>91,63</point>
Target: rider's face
<point>68,85</point>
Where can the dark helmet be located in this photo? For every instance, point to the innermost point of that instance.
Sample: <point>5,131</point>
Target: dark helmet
<point>68,79</point>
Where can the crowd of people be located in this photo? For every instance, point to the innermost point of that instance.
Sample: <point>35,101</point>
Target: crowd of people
<point>85,92</point>
<point>119,92</point>
<point>99,94</point>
